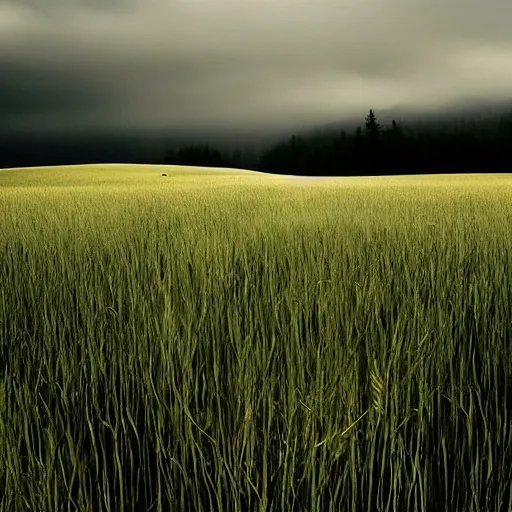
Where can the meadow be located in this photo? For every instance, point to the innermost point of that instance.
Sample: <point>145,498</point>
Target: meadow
<point>225,340</point>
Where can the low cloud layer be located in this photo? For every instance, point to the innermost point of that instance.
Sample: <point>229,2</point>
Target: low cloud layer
<point>197,63</point>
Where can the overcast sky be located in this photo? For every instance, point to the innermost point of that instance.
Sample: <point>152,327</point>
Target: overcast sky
<point>75,64</point>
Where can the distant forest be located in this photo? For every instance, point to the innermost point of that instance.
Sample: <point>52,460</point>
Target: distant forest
<point>457,146</point>
<point>483,145</point>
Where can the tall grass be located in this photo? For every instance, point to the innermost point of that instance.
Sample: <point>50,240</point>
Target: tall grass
<point>229,341</point>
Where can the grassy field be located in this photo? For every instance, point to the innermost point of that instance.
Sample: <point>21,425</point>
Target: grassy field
<point>232,341</point>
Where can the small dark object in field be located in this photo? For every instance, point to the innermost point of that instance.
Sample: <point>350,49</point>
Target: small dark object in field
<point>164,174</point>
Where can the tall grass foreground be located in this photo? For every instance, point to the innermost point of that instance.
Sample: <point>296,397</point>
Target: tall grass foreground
<point>233,341</point>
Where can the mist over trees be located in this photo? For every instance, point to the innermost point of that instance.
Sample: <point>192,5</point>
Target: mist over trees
<point>459,145</point>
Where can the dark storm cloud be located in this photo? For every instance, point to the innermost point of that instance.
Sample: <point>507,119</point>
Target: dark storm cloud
<point>193,63</point>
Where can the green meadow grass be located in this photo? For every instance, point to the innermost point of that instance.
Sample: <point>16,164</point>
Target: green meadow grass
<point>223,340</point>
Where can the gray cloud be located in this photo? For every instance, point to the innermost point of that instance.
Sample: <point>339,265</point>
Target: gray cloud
<point>193,63</point>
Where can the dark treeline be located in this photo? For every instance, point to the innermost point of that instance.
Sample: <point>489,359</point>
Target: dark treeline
<point>206,156</point>
<point>483,145</point>
<point>461,146</point>
<point>197,155</point>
